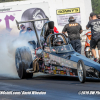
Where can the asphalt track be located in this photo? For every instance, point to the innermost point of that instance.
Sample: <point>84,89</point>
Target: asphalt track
<point>55,87</point>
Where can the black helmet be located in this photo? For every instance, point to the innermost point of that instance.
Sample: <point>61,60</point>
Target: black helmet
<point>58,41</point>
<point>71,19</point>
<point>22,26</point>
<point>28,29</point>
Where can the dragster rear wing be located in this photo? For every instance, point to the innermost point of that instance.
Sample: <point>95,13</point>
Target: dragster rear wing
<point>29,21</point>
<point>32,21</point>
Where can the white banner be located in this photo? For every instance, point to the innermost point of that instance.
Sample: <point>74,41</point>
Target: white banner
<point>64,14</point>
<point>24,12</point>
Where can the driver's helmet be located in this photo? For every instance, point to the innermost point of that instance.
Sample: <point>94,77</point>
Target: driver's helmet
<point>58,41</point>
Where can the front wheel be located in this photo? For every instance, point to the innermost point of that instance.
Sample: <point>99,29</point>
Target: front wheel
<point>81,71</point>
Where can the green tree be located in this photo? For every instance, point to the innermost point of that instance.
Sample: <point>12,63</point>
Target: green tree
<point>96,6</point>
<point>9,0</point>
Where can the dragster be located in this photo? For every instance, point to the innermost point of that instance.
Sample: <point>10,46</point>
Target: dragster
<point>54,60</point>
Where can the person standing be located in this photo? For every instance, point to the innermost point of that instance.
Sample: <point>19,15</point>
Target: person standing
<point>22,31</point>
<point>94,24</point>
<point>28,32</point>
<point>55,30</point>
<point>73,30</point>
<point>32,37</point>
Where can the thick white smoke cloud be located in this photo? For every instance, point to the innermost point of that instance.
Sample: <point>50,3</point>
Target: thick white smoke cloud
<point>8,45</point>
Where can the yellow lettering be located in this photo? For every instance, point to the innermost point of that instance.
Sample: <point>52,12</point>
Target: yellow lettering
<point>68,11</point>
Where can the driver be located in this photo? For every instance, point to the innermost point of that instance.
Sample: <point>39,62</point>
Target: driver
<point>58,41</point>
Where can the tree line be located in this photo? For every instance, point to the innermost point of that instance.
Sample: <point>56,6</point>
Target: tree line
<point>96,6</point>
<point>1,1</point>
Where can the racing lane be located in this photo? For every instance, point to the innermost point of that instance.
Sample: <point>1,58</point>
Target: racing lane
<point>56,88</point>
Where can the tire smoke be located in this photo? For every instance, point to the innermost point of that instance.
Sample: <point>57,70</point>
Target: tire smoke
<point>8,45</point>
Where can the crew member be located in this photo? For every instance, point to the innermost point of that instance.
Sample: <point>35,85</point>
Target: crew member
<point>73,30</point>
<point>94,24</point>
<point>55,30</point>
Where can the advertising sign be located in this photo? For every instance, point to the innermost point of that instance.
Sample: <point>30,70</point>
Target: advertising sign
<point>9,15</point>
<point>64,14</point>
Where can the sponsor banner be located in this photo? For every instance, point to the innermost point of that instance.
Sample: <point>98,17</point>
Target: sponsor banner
<point>64,14</point>
<point>9,15</point>
<point>68,11</point>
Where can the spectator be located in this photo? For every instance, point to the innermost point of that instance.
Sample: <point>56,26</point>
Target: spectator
<point>73,30</point>
<point>94,24</point>
<point>30,34</point>
<point>22,31</point>
<point>29,29</point>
